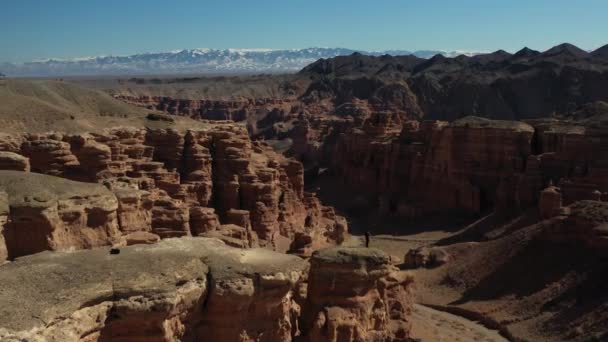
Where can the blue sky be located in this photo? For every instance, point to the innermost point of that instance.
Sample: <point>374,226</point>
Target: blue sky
<point>31,29</point>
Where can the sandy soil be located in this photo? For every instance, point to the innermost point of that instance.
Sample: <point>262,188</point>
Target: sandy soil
<point>433,325</point>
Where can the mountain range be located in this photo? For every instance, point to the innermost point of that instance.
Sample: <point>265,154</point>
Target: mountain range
<point>197,61</point>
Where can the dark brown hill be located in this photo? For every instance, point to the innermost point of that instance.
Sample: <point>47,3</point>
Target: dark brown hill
<point>528,84</point>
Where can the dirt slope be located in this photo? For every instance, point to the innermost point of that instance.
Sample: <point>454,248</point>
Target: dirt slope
<point>45,105</point>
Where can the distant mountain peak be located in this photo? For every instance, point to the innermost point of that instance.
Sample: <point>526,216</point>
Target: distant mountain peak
<point>601,52</point>
<point>252,61</point>
<point>526,52</point>
<point>500,52</point>
<point>566,49</point>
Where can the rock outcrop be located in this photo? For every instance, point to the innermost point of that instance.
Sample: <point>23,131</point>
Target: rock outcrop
<point>435,165</point>
<point>14,161</point>
<point>467,166</point>
<point>355,294</point>
<point>173,183</point>
<point>198,289</point>
<point>179,289</point>
<point>585,222</point>
<point>50,213</point>
<point>425,257</point>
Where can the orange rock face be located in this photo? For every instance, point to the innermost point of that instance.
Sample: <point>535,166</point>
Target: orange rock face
<point>355,294</point>
<point>172,183</point>
<point>50,213</point>
<point>435,165</point>
<point>199,289</point>
<point>467,166</point>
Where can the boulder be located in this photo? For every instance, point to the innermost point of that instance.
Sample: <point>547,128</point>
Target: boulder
<point>428,257</point>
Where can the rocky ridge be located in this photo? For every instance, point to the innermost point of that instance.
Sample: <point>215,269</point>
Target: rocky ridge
<point>191,289</point>
<point>212,180</point>
<point>472,165</point>
<point>499,85</point>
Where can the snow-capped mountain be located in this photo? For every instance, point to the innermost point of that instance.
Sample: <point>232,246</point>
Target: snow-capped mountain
<point>191,61</point>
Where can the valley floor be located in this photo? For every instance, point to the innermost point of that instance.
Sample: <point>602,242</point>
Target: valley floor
<point>434,325</point>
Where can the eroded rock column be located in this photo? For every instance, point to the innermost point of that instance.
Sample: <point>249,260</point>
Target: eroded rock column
<point>355,294</point>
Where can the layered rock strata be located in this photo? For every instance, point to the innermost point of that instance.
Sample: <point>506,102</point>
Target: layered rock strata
<point>435,165</point>
<point>355,294</point>
<point>51,213</point>
<point>473,164</point>
<point>173,183</point>
<point>583,221</point>
<point>198,289</point>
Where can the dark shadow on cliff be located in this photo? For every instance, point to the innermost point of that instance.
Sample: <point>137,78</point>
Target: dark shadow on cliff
<point>360,209</point>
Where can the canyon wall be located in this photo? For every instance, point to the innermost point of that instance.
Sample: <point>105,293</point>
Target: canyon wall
<point>471,164</point>
<point>355,294</point>
<point>409,168</point>
<point>206,181</point>
<point>236,110</point>
<point>199,289</point>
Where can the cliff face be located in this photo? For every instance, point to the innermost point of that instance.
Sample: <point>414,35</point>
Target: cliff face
<point>49,213</point>
<point>472,164</point>
<point>355,294</point>
<point>435,165</point>
<point>167,183</point>
<point>198,289</point>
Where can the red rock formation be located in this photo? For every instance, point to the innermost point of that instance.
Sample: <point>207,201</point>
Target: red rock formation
<point>49,154</point>
<point>178,183</point>
<point>574,157</point>
<point>466,166</point>
<point>355,294</point>
<point>50,213</point>
<point>14,161</point>
<point>198,289</point>
<point>436,166</point>
<point>583,221</point>
<point>203,220</point>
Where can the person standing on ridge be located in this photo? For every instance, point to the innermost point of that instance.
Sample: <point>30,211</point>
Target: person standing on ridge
<point>367,238</point>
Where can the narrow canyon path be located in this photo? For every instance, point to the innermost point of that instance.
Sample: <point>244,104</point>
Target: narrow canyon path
<point>437,326</point>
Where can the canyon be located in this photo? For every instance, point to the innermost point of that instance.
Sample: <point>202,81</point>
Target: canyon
<point>232,208</point>
<point>158,183</point>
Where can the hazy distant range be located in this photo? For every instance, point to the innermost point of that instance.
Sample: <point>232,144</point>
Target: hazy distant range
<point>194,61</point>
